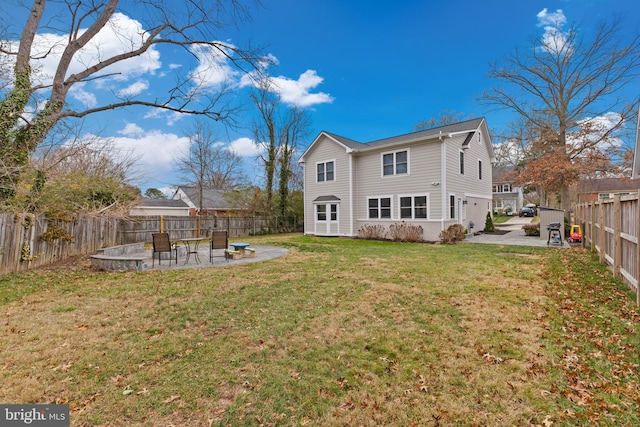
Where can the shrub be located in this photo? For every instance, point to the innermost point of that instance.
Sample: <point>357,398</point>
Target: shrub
<point>488,224</point>
<point>405,232</point>
<point>372,232</point>
<point>531,229</point>
<point>453,234</point>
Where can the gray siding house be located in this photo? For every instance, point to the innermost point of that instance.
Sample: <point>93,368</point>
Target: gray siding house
<point>432,178</point>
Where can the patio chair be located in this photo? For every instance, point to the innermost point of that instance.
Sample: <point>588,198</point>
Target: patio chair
<point>219,240</point>
<point>161,243</point>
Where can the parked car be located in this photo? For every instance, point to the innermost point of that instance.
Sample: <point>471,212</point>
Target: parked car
<point>529,206</point>
<point>527,211</point>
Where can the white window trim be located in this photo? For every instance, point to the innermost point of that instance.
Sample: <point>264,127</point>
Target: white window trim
<point>464,163</point>
<point>395,163</point>
<point>455,208</point>
<point>480,171</point>
<point>379,208</point>
<point>413,208</point>
<point>325,171</point>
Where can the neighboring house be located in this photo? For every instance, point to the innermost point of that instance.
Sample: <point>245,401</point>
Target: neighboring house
<point>152,207</point>
<point>506,196</point>
<point>213,201</point>
<point>432,178</point>
<point>596,189</point>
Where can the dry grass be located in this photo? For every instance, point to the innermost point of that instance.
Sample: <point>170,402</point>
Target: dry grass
<point>339,332</point>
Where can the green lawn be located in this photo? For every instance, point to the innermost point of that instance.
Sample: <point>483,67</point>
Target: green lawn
<point>338,332</point>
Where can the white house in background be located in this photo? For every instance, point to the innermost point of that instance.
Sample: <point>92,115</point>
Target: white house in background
<point>507,198</point>
<point>164,207</point>
<point>214,201</point>
<point>433,178</point>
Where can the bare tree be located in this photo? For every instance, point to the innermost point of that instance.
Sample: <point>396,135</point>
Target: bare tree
<point>189,25</point>
<point>278,131</point>
<point>264,129</point>
<point>446,117</point>
<point>561,86</point>
<point>208,163</point>
<point>295,127</point>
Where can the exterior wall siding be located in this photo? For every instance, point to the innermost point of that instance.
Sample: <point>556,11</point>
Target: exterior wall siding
<point>326,151</point>
<point>424,177</point>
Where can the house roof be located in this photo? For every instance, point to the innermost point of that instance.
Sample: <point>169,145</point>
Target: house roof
<point>331,198</point>
<point>500,173</point>
<point>446,131</point>
<point>212,198</point>
<point>161,203</point>
<point>607,185</point>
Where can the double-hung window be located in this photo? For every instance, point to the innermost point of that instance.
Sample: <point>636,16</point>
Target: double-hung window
<point>396,163</point>
<point>321,212</point>
<point>413,207</point>
<point>325,171</point>
<point>379,208</point>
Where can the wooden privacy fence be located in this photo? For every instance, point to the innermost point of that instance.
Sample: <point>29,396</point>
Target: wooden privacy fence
<point>28,241</point>
<point>139,229</point>
<point>610,228</point>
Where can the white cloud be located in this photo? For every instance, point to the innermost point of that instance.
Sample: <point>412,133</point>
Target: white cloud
<point>155,149</point>
<point>133,89</point>
<point>214,69</point>
<point>78,93</point>
<point>244,147</point>
<point>554,38</point>
<point>296,92</point>
<point>131,129</point>
<point>121,34</point>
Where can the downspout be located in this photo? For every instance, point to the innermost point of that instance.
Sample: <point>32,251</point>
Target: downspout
<point>350,195</point>
<point>304,200</point>
<point>443,180</point>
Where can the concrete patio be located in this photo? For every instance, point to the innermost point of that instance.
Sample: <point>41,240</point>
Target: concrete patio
<point>514,235</point>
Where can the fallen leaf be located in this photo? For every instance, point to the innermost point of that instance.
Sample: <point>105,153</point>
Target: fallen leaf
<point>171,399</point>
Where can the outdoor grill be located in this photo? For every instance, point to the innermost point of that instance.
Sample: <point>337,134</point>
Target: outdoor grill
<point>554,233</point>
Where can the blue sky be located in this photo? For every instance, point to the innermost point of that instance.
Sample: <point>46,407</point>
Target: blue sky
<point>364,69</point>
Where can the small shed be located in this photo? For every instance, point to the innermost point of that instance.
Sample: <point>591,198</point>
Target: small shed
<point>547,216</point>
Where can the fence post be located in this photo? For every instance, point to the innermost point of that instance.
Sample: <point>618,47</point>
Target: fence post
<point>602,233</point>
<point>617,243</point>
<point>592,226</point>
<point>638,253</point>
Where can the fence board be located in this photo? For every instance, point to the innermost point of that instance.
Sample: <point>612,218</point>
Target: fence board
<point>611,230</point>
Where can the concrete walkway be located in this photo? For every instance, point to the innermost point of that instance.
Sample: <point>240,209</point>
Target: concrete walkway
<point>514,236</point>
<point>263,253</point>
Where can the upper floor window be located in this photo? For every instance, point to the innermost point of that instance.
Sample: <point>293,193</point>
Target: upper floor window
<point>379,207</point>
<point>325,171</point>
<point>462,163</point>
<point>396,163</point>
<point>479,169</point>
<point>502,188</point>
<point>413,207</point>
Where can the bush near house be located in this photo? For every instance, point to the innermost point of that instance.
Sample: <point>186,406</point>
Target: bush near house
<point>453,234</point>
<point>404,232</point>
<point>531,229</point>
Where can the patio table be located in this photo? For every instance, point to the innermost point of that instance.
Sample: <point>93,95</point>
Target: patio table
<point>192,244</point>
<point>240,247</point>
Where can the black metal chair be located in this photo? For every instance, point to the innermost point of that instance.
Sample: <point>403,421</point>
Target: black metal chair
<point>219,240</point>
<point>161,244</point>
